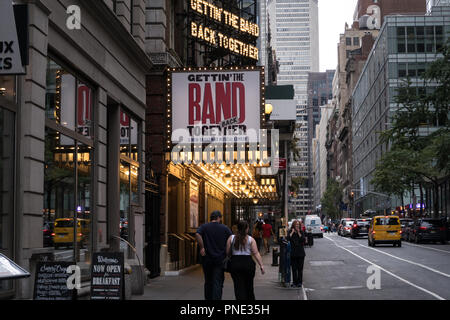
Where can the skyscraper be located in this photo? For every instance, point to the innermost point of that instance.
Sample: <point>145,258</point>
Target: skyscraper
<point>294,27</point>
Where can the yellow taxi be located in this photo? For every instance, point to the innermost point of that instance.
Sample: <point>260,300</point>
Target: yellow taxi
<point>385,230</point>
<point>64,230</point>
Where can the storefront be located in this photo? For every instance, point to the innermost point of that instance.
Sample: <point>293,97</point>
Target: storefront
<point>8,109</point>
<point>71,144</point>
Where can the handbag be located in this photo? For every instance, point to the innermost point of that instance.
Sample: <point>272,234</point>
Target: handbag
<point>227,260</point>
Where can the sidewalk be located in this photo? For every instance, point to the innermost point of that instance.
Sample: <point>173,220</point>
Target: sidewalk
<point>189,286</point>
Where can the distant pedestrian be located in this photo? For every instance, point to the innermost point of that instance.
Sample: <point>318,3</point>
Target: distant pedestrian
<point>267,234</point>
<point>234,228</point>
<point>212,239</point>
<point>257,234</point>
<point>297,239</point>
<point>241,248</point>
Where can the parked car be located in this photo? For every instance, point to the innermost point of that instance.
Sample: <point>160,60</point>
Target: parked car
<point>427,229</point>
<point>47,231</point>
<point>314,226</point>
<point>360,228</point>
<point>385,229</point>
<point>346,227</point>
<point>406,223</point>
<point>340,225</point>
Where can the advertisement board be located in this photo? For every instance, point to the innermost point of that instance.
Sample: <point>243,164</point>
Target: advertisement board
<point>51,281</point>
<point>107,276</point>
<point>11,61</point>
<point>226,26</point>
<point>193,204</point>
<point>283,109</point>
<point>216,105</point>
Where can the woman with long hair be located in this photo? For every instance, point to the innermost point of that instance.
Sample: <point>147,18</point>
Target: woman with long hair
<point>242,247</point>
<point>297,238</point>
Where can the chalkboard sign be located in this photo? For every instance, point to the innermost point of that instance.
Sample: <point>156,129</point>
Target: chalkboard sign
<point>51,281</point>
<point>10,270</point>
<point>107,276</point>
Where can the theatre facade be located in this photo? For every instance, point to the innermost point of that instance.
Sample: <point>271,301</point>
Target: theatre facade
<point>204,88</point>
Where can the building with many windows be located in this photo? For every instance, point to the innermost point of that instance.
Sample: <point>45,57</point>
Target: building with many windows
<point>295,28</point>
<point>404,48</point>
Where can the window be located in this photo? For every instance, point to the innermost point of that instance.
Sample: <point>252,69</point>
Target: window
<point>348,41</point>
<point>67,194</point>
<point>68,100</point>
<point>68,165</point>
<point>356,41</point>
<point>129,169</point>
<point>387,222</point>
<point>7,156</point>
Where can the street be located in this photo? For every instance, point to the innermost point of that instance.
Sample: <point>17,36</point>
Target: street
<point>336,268</point>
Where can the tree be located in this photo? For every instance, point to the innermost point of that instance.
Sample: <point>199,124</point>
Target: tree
<point>296,182</point>
<point>332,199</point>
<point>391,177</point>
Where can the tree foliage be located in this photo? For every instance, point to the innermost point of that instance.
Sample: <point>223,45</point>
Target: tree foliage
<point>419,134</point>
<point>332,199</point>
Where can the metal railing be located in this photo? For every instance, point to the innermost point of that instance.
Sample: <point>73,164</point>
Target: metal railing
<point>182,249</point>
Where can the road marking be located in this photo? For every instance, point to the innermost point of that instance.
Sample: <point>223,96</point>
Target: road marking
<point>305,297</point>
<point>388,272</point>
<point>347,287</point>
<point>416,245</point>
<point>408,261</point>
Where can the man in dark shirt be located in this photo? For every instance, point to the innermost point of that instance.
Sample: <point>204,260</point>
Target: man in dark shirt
<point>212,239</point>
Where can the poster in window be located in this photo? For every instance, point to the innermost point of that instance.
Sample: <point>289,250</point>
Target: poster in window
<point>193,204</point>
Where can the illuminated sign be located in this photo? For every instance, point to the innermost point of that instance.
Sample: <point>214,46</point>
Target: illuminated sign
<point>215,36</point>
<point>216,105</point>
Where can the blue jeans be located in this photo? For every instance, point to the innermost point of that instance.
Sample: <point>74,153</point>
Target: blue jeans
<point>214,278</point>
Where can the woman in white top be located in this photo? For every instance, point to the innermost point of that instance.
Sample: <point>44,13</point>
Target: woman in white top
<point>241,247</point>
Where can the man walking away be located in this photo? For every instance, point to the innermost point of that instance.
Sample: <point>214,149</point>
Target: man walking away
<point>212,240</point>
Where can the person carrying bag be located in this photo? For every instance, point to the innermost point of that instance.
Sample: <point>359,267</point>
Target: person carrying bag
<point>240,248</point>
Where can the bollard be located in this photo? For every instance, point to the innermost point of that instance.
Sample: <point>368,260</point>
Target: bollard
<point>275,255</point>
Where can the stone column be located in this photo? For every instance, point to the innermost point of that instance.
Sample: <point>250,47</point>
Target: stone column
<point>31,146</point>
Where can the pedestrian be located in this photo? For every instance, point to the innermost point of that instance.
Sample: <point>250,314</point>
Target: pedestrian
<point>257,234</point>
<point>241,248</point>
<point>297,239</point>
<point>212,239</point>
<point>267,233</point>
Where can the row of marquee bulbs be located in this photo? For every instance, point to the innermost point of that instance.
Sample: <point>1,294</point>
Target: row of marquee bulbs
<point>241,181</point>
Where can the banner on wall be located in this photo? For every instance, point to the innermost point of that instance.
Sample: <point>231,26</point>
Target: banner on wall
<point>216,105</point>
<point>128,130</point>
<point>13,40</point>
<point>193,204</point>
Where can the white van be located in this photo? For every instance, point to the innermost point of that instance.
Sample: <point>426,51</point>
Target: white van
<point>313,225</point>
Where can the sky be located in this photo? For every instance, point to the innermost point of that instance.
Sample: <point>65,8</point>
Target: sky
<point>333,14</point>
